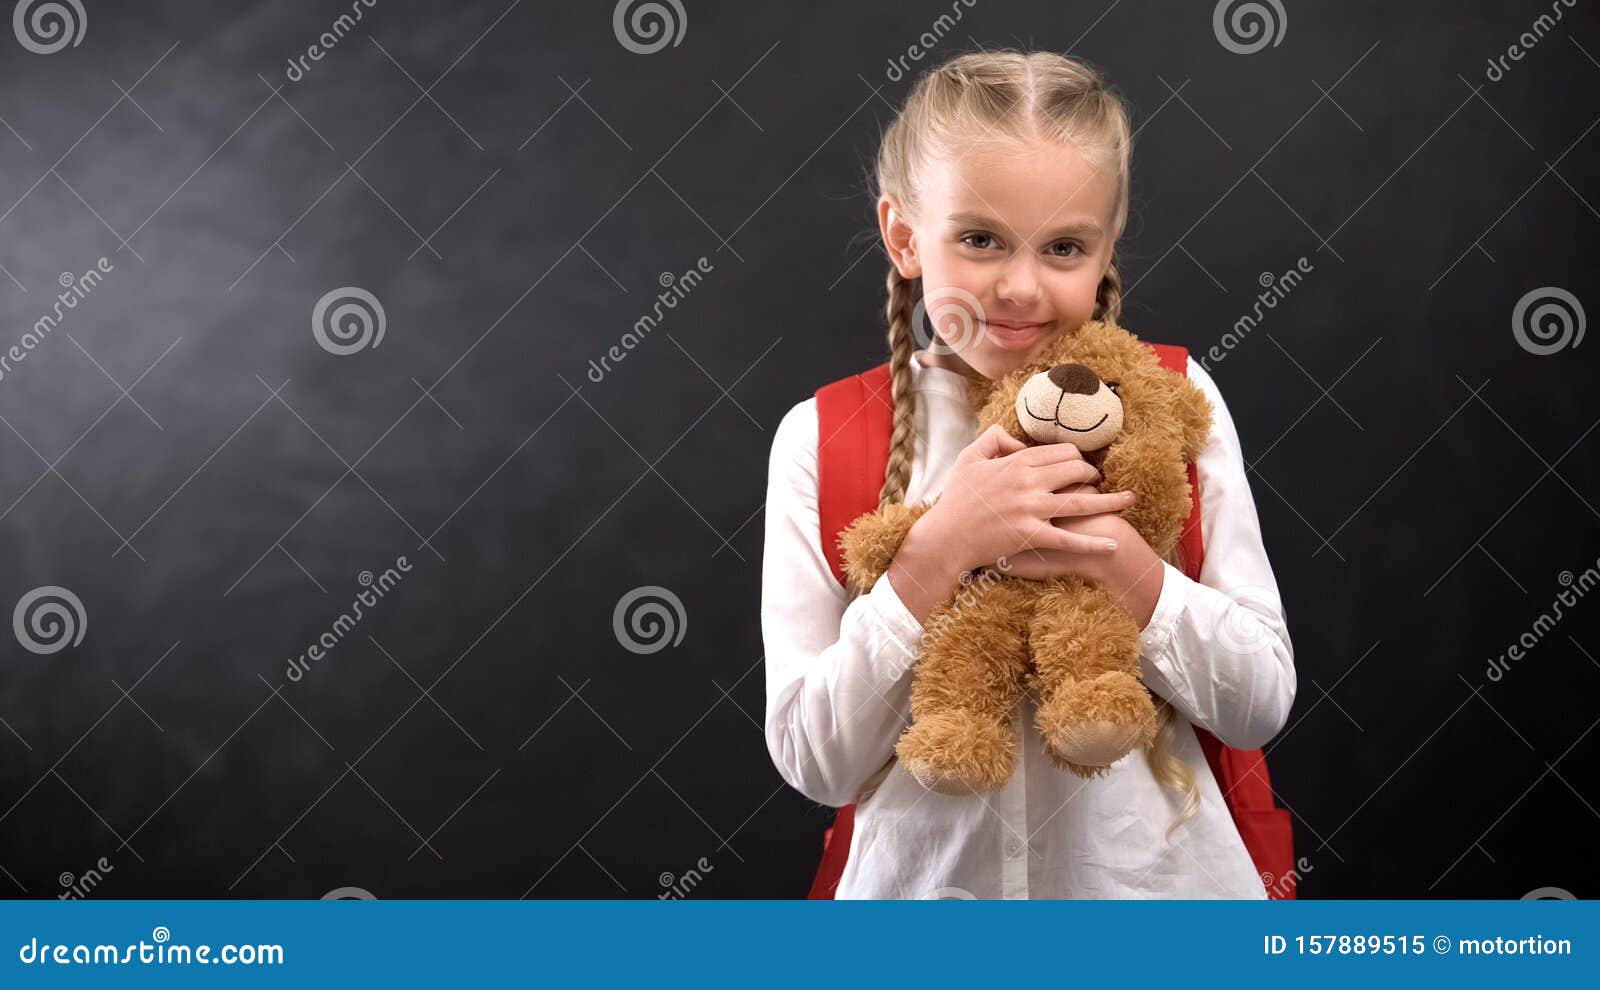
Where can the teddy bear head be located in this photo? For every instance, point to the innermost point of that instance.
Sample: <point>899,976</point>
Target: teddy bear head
<point>1070,403</point>
<point>1104,391</point>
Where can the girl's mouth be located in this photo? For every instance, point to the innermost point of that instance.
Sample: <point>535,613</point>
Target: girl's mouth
<point>1014,336</point>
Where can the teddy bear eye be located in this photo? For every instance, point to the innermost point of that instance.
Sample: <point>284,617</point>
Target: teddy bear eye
<point>1115,387</point>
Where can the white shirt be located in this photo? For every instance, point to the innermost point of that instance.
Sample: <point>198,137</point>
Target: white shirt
<point>839,696</point>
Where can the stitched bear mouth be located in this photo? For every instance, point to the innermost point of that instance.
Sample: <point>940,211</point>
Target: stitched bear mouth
<point>1053,418</point>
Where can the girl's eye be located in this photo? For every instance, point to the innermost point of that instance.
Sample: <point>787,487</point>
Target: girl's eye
<point>985,238</point>
<point>1071,245</point>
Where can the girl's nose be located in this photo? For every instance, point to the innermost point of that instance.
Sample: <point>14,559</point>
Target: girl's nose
<point>1018,282</point>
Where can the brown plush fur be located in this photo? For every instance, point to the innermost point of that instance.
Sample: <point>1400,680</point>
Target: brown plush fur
<point>1065,640</point>
<point>868,549</point>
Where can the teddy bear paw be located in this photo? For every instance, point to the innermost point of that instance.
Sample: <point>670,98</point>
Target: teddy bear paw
<point>958,752</point>
<point>1094,744</point>
<point>873,539</point>
<point>1093,724</point>
<point>1078,769</point>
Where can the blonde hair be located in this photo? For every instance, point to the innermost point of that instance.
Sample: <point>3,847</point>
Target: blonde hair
<point>1017,95</point>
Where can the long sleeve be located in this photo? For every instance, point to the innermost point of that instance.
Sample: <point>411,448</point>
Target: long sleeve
<point>1218,648</point>
<point>838,678</point>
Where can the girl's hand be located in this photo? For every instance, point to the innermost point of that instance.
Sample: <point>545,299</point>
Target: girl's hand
<point>1133,574</point>
<point>1002,496</point>
<point>1042,565</point>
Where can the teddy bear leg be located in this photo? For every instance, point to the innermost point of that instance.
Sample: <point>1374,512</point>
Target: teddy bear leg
<point>968,679</point>
<point>1110,717</point>
<point>1093,708</point>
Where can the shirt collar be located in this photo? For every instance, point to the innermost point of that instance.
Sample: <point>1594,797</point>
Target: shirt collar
<point>942,381</point>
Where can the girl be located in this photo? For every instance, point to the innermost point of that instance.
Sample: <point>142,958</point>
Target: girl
<point>1004,182</point>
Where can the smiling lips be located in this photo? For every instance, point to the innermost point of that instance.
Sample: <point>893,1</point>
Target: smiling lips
<point>1014,336</point>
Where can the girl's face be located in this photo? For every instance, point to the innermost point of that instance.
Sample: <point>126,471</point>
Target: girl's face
<point>1011,242</point>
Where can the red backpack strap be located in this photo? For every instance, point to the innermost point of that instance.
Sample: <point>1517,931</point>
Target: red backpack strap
<point>855,419</point>
<point>1267,830</point>
<point>835,853</point>
<point>1175,358</point>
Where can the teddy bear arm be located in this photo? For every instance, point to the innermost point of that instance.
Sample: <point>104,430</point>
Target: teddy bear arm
<point>872,540</point>
<point>1193,411</point>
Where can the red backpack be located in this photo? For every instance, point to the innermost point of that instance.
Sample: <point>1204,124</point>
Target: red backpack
<point>855,421</point>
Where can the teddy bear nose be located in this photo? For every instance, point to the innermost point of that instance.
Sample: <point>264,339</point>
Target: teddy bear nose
<point>1074,379</point>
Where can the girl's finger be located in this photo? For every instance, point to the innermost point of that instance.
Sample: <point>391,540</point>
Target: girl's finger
<point>1075,542</point>
<point>1050,453</point>
<point>999,443</point>
<point>991,443</point>
<point>1057,476</point>
<point>1084,504</point>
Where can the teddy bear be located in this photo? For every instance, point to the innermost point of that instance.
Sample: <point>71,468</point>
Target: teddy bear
<point>1066,640</point>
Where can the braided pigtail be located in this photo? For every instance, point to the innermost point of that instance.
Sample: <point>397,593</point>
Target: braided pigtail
<point>1108,298</point>
<point>901,307</point>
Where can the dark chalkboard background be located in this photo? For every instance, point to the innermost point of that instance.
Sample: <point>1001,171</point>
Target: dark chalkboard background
<point>514,186</point>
